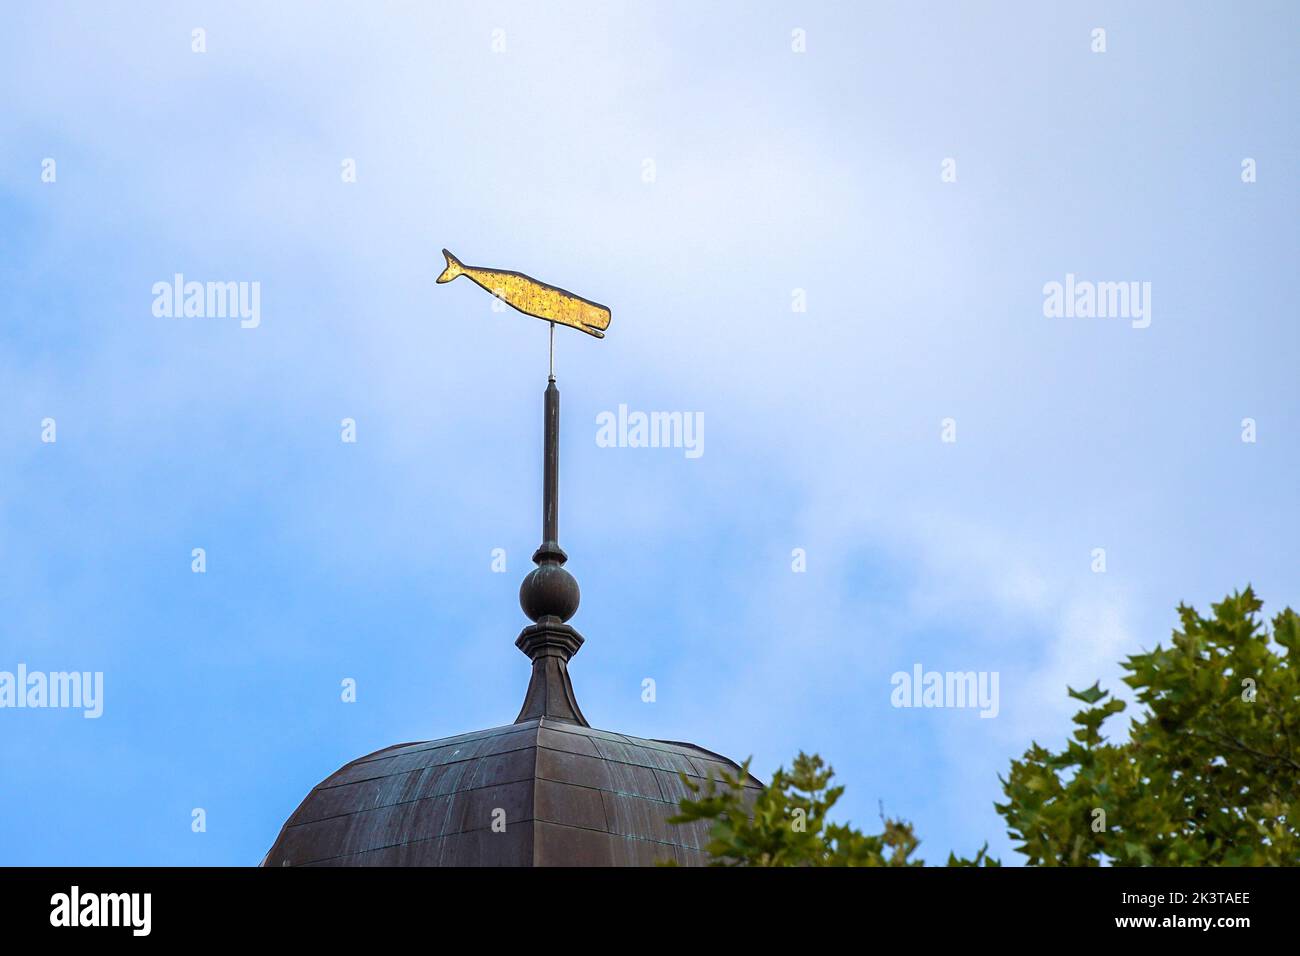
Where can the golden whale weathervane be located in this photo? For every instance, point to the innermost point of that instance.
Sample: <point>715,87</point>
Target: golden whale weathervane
<point>534,298</point>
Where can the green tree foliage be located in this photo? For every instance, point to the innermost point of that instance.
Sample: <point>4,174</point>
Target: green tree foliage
<point>785,824</point>
<point>1209,773</point>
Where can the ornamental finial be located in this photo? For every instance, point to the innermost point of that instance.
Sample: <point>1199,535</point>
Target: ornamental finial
<point>549,594</point>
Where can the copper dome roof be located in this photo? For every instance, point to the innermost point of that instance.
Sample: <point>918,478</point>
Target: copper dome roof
<point>559,794</point>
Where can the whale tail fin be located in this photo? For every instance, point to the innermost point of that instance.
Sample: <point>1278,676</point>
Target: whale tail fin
<point>454,268</point>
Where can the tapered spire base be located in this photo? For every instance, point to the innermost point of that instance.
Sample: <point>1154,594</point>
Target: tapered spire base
<point>550,643</point>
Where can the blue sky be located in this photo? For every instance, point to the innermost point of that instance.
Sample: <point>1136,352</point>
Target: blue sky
<point>773,171</point>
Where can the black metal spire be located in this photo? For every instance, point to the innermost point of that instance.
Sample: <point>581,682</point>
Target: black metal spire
<point>549,594</point>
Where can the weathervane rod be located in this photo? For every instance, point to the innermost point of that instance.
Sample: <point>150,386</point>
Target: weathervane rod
<point>551,468</point>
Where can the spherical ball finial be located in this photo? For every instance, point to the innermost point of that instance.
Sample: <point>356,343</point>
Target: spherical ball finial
<point>549,591</point>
